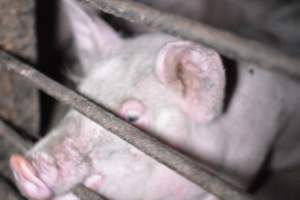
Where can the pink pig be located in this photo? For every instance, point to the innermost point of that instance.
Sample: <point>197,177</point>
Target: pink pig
<point>175,90</point>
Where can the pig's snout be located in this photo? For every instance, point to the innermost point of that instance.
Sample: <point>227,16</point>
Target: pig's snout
<point>27,179</point>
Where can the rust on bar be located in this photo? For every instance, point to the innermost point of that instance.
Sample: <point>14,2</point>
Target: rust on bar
<point>224,42</point>
<point>192,170</point>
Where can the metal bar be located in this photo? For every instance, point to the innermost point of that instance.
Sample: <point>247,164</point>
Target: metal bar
<point>14,138</point>
<point>164,154</point>
<point>225,42</point>
<point>23,145</point>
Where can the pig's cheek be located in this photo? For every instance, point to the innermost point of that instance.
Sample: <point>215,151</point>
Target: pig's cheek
<point>172,128</point>
<point>27,180</point>
<point>144,123</point>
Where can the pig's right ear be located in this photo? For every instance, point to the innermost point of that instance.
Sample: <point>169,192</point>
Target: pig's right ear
<point>196,75</point>
<point>94,39</point>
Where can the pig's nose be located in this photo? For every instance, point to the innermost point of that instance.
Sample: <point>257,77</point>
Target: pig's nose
<point>27,179</point>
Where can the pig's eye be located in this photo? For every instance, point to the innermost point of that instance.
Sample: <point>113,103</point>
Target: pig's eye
<point>132,110</point>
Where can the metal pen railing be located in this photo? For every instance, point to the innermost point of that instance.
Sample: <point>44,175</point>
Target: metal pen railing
<point>224,42</point>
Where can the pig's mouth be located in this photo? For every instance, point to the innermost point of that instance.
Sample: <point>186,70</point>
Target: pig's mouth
<point>27,179</point>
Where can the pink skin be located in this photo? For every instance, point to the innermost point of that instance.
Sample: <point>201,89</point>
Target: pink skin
<point>42,172</point>
<point>196,74</point>
<point>33,187</point>
<point>27,179</point>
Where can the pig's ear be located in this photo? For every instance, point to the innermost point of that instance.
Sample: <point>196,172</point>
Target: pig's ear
<point>94,38</point>
<point>196,74</point>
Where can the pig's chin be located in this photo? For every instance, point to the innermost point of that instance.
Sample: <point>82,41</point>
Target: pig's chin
<point>27,179</point>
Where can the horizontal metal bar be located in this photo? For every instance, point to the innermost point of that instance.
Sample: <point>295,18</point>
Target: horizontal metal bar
<point>224,42</point>
<point>164,154</point>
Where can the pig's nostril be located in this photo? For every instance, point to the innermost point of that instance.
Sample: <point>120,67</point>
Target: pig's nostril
<point>22,168</point>
<point>16,176</point>
<point>27,179</point>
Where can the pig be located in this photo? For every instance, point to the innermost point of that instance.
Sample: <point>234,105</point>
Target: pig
<point>175,90</point>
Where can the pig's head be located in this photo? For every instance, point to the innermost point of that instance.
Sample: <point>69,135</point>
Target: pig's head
<point>157,82</point>
<point>143,77</point>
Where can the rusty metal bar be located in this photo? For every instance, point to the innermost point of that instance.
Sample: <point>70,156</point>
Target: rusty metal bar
<point>23,145</point>
<point>164,154</point>
<point>14,138</point>
<point>224,42</point>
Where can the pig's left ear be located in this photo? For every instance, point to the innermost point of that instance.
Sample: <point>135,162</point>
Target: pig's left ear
<point>93,38</point>
<point>196,74</point>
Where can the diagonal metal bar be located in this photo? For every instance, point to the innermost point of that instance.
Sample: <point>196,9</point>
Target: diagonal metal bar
<point>225,42</point>
<point>164,154</point>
